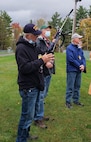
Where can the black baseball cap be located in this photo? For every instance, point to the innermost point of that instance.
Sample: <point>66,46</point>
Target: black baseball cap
<point>31,28</point>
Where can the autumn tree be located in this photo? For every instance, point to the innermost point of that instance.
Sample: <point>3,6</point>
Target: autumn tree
<point>40,22</point>
<point>85,28</point>
<point>16,31</point>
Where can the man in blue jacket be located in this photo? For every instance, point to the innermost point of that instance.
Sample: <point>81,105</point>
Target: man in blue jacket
<point>75,65</point>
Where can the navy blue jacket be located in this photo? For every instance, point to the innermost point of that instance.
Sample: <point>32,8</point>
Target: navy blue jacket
<point>29,74</point>
<point>74,58</point>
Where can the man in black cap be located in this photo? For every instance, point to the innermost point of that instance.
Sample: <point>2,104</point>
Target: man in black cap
<point>30,78</point>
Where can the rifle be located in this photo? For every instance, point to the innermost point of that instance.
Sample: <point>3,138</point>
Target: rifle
<point>58,34</point>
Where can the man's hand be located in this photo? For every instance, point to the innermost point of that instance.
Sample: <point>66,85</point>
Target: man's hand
<point>82,67</point>
<point>47,57</point>
<point>49,65</point>
<point>54,40</point>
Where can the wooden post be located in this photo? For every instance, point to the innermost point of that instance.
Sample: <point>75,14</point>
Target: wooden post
<point>89,90</point>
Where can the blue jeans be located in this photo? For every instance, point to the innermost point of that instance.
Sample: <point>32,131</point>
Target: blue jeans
<point>30,102</point>
<point>43,94</point>
<point>73,86</point>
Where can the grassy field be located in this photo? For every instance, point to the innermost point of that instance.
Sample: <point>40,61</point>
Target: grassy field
<point>65,125</point>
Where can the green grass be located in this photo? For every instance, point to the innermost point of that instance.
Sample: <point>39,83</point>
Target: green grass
<point>65,125</point>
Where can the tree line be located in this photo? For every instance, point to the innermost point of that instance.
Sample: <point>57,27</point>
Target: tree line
<point>9,31</point>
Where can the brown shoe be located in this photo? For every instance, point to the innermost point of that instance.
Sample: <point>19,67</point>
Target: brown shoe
<point>45,119</point>
<point>40,124</point>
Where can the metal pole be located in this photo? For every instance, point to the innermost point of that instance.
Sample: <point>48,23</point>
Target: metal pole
<point>74,19</point>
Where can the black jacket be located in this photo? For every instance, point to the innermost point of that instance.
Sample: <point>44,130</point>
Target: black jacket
<point>29,71</point>
<point>41,43</point>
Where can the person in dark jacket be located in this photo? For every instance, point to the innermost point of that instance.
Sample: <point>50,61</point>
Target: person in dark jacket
<point>75,65</point>
<point>30,78</point>
<point>44,44</point>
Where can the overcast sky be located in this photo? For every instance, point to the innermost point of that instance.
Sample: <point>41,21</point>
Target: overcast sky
<point>21,11</point>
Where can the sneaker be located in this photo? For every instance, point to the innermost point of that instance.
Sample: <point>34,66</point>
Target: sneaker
<point>68,105</point>
<point>40,124</point>
<point>78,103</point>
<point>32,137</point>
<point>45,118</point>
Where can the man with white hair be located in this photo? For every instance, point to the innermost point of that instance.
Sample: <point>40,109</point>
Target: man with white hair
<point>75,65</point>
<point>30,78</point>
